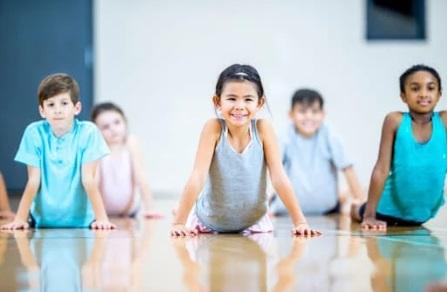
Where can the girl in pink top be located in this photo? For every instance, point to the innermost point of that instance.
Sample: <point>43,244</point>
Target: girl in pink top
<point>121,175</point>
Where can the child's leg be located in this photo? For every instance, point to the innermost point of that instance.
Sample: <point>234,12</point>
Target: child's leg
<point>262,226</point>
<point>357,211</point>
<point>193,222</point>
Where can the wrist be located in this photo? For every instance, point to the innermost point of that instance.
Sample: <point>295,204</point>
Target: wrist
<point>177,223</point>
<point>302,222</point>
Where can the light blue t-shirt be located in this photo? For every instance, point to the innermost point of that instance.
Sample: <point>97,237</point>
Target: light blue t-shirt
<point>234,197</point>
<point>414,189</point>
<point>311,164</point>
<point>61,200</point>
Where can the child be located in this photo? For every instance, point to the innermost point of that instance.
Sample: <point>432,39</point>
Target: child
<point>5,209</point>
<point>312,156</point>
<point>121,174</point>
<point>234,153</point>
<point>407,183</point>
<point>61,154</point>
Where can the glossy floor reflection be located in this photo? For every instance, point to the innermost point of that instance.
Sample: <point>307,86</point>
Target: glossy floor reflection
<point>141,256</point>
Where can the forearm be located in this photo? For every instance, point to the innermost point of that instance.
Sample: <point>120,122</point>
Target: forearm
<point>187,200</point>
<point>25,202</point>
<point>375,192</point>
<point>287,196</point>
<point>146,195</point>
<point>4,201</point>
<point>96,200</point>
<point>353,183</point>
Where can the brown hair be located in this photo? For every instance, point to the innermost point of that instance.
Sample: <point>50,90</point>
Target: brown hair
<point>58,83</point>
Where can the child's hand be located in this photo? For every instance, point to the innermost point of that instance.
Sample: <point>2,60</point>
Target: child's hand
<point>149,214</point>
<point>16,224</point>
<point>102,224</point>
<point>303,229</point>
<point>7,215</point>
<point>181,230</point>
<point>370,223</point>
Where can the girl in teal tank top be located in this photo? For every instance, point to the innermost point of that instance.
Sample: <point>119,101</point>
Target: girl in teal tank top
<point>407,183</point>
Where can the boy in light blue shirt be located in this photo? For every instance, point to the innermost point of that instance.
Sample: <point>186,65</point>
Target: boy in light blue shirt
<point>61,154</point>
<point>312,158</point>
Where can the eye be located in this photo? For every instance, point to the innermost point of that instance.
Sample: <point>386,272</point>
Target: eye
<point>105,127</point>
<point>51,104</point>
<point>65,103</point>
<point>249,99</point>
<point>117,122</point>
<point>231,98</point>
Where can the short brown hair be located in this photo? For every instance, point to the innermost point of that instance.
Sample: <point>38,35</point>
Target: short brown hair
<point>58,83</point>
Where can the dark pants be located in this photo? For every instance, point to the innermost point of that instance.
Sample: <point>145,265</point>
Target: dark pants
<point>390,220</point>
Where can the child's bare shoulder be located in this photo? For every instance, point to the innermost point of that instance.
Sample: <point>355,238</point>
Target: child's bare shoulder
<point>393,119</point>
<point>212,127</point>
<point>443,115</point>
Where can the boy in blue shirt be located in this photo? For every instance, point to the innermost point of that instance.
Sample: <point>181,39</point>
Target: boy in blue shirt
<point>312,157</point>
<point>61,154</point>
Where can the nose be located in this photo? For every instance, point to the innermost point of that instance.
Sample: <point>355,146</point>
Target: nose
<point>239,105</point>
<point>58,109</point>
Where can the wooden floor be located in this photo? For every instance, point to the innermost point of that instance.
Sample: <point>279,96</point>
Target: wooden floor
<point>141,256</point>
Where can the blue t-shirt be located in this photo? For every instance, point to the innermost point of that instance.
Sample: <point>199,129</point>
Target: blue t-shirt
<point>414,189</point>
<point>61,200</point>
<point>311,164</point>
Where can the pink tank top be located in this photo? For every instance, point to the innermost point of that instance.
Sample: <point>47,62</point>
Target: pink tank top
<point>116,182</point>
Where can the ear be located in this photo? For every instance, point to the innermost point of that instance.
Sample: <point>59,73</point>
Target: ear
<point>261,101</point>
<point>403,97</point>
<point>78,108</point>
<point>216,101</point>
<point>41,112</point>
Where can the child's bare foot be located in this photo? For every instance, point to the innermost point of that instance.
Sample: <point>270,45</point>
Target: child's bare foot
<point>152,215</point>
<point>7,214</point>
<point>355,212</point>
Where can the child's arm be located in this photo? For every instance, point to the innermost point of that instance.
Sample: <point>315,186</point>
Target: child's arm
<point>140,177</point>
<point>5,209</point>
<point>381,171</point>
<point>280,180</point>
<point>91,187</point>
<point>32,186</point>
<point>196,181</point>
<point>354,184</point>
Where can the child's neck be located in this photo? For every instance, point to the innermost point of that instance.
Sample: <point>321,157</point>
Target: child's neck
<point>116,147</point>
<point>59,132</point>
<point>421,119</point>
<point>239,137</point>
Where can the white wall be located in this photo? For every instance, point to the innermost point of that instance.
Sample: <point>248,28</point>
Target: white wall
<point>160,60</point>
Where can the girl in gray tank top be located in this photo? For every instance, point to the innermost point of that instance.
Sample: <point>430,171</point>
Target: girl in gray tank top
<point>230,169</point>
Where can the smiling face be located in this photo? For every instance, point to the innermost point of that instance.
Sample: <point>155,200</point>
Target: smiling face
<point>60,111</point>
<point>421,92</point>
<point>112,126</point>
<point>307,118</point>
<point>238,103</point>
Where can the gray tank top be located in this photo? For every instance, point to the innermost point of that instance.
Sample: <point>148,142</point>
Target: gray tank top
<point>234,197</point>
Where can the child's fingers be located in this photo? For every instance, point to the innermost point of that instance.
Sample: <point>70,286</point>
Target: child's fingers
<point>306,232</point>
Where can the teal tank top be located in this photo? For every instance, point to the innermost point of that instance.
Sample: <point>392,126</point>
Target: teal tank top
<point>414,189</point>
<point>234,197</point>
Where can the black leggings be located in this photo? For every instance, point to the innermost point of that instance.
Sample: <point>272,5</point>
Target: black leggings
<point>390,220</point>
